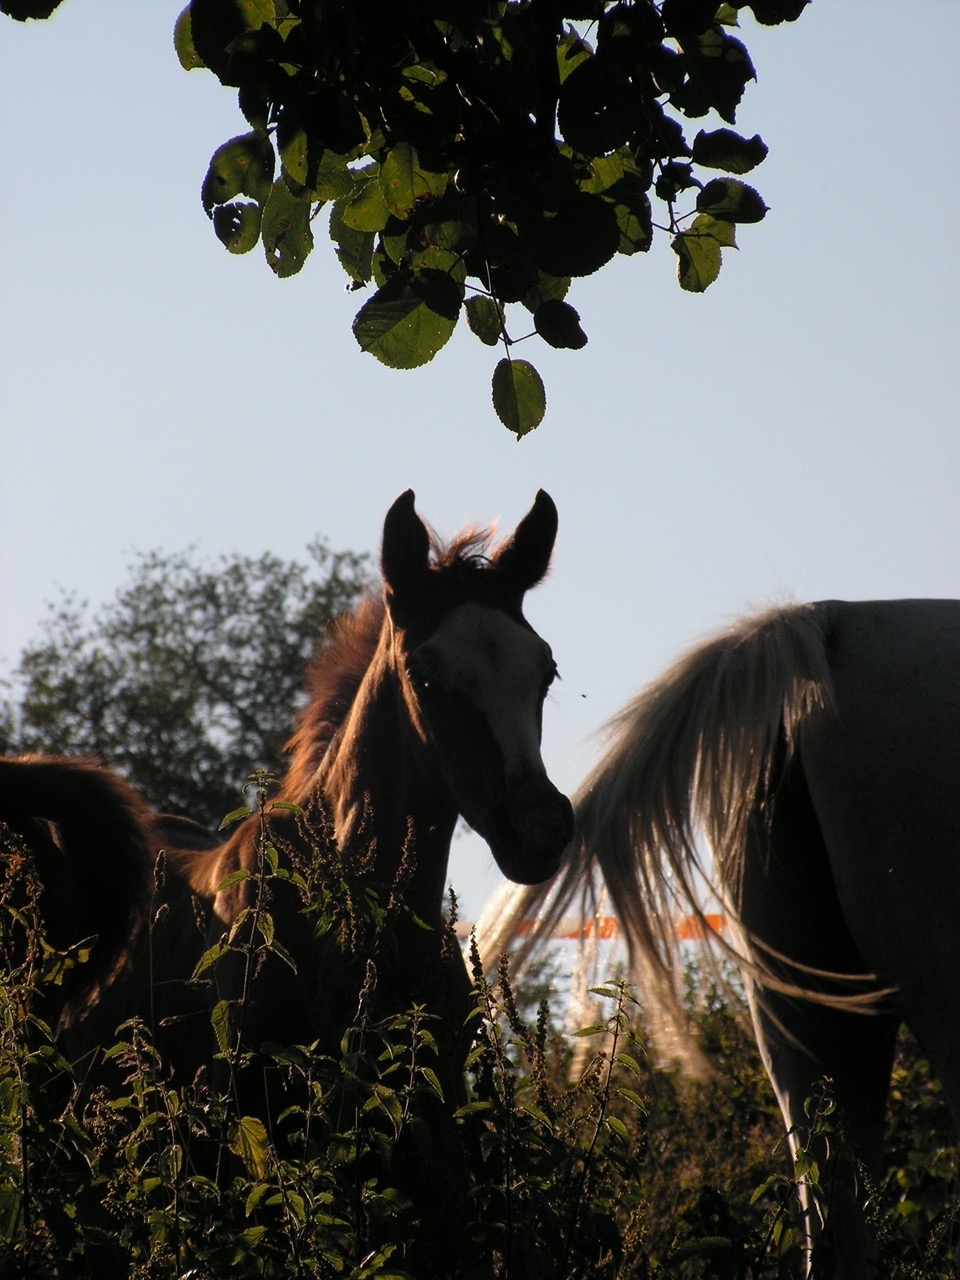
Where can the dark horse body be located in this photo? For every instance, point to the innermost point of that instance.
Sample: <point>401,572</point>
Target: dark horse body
<point>426,705</point>
<point>817,748</point>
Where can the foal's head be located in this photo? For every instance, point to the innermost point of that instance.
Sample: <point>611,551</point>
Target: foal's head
<point>474,674</point>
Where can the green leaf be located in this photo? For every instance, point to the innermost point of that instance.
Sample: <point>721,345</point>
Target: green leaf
<point>559,325</point>
<point>484,319</point>
<point>249,1142</point>
<point>287,238</point>
<point>580,237</point>
<point>719,70</point>
<point>772,12</point>
<point>237,226</point>
<point>235,815</point>
<point>732,201</point>
<point>725,233</point>
<point>404,180</point>
<point>616,1126</point>
<point>519,397</point>
<point>432,1080</point>
<point>308,171</point>
<point>221,1019</point>
<point>21,10</point>
<point>209,957</point>
<point>232,878</point>
<point>365,209</point>
<point>547,289</point>
<point>536,1113</point>
<point>724,149</point>
<point>412,316</point>
<point>699,260</point>
<point>186,51</point>
<point>571,51</point>
<point>242,166</point>
<point>633,1097</point>
<point>597,108</point>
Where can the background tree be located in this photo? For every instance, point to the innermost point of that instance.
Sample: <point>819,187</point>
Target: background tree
<point>477,156</point>
<point>189,678</point>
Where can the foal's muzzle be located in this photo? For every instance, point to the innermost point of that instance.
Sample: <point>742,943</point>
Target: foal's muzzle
<point>530,831</point>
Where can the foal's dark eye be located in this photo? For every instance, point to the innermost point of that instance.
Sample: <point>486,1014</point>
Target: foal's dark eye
<point>420,682</point>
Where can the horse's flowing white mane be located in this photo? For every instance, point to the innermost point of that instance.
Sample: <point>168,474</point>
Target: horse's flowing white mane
<point>692,756</point>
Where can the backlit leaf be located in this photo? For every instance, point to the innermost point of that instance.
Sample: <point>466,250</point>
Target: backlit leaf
<point>731,200</point>
<point>249,1142</point>
<point>221,1019</point>
<point>237,226</point>
<point>411,317</point>
<point>724,149</point>
<point>404,180</point>
<point>365,209</point>
<point>285,230</point>
<point>484,319</point>
<point>579,238</point>
<point>699,260</point>
<point>190,60</point>
<point>242,166</point>
<point>559,325</point>
<point>519,397</point>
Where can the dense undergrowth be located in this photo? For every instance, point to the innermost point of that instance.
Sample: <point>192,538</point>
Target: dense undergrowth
<point>624,1171</point>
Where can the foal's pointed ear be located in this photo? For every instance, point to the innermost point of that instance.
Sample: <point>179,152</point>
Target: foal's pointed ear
<point>405,554</point>
<point>524,559</point>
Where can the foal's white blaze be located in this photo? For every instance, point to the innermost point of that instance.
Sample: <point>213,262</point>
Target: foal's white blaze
<point>502,668</point>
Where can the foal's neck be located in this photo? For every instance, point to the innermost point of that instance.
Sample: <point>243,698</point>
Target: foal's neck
<point>385,794</point>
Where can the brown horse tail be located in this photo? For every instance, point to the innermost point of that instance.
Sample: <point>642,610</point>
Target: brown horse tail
<point>94,862</point>
<point>691,756</point>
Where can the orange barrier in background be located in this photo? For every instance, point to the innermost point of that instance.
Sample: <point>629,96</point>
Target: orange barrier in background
<point>569,928</point>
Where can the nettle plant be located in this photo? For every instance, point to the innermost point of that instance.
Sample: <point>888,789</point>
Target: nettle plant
<point>473,158</point>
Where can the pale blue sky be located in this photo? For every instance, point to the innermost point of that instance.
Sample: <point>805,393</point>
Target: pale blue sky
<point>793,433</point>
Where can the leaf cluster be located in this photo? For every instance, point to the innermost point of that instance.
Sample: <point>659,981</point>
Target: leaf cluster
<point>473,157</point>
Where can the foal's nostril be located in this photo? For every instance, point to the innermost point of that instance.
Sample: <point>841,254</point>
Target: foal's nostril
<point>542,818</point>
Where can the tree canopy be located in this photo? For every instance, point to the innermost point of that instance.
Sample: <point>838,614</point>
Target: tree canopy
<point>473,157</point>
<point>189,679</point>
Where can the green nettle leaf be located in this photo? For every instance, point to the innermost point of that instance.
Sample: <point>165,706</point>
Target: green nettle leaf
<point>242,166</point>
<point>287,238</point>
<point>699,260</point>
<point>519,397</point>
<point>410,317</point>
<point>484,319</point>
<point>724,149</point>
<point>559,325</point>
<point>731,200</point>
<point>222,1020</point>
<point>404,181</point>
<point>237,226</point>
<point>249,1142</point>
